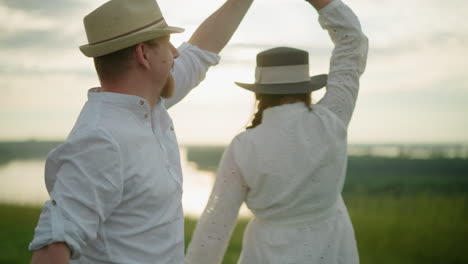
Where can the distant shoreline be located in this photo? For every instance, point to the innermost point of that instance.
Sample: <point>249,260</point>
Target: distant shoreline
<point>25,150</point>
<point>33,149</point>
<point>395,169</point>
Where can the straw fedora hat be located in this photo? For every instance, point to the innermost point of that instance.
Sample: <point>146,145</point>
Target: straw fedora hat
<point>284,70</point>
<point>120,24</point>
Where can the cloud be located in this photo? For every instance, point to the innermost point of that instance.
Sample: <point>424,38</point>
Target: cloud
<point>441,40</point>
<point>44,39</point>
<point>416,66</point>
<point>45,7</point>
<point>40,38</point>
<point>27,72</point>
<point>448,37</point>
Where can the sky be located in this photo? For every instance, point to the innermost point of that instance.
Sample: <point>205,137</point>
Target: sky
<point>414,90</point>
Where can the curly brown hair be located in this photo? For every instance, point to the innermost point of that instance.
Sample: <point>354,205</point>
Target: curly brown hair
<point>265,101</point>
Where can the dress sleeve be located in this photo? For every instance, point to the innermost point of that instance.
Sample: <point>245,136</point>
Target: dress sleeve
<point>87,186</point>
<point>348,60</point>
<point>189,70</point>
<point>214,228</point>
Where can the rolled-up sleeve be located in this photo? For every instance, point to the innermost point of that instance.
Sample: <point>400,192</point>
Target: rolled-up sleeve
<point>85,183</point>
<point>189,70</point>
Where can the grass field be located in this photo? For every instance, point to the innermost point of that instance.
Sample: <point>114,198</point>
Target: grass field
<point>417,229</point>
<point>404,211</point>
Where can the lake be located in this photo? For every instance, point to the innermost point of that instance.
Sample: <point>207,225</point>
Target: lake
<point>23,183</point>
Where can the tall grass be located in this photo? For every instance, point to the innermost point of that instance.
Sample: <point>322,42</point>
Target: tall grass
<point>422,228</point>
<point>411,229</point>
<point>16,230</point>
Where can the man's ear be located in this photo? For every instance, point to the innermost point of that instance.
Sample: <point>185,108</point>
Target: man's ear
<point>141,53</point>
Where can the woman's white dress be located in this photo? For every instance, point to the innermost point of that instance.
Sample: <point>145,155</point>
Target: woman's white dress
<point>290,171</point>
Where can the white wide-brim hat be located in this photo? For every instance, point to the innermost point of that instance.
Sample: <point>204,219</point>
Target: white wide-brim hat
<point>120,24</point>
<point>284,70</point>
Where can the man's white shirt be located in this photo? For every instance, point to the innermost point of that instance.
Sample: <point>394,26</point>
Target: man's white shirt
<point>116,182</point>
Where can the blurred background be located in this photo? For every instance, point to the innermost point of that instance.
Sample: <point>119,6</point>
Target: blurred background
<point>407,185</point>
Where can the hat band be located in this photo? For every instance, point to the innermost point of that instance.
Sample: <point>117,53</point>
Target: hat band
<point>133,31</point>
<point>282,74</point>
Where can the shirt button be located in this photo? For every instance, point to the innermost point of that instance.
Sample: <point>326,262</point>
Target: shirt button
<point>141,102</point>
<point>54,202</point>
<point>172,128</point>
<point>146,115</point>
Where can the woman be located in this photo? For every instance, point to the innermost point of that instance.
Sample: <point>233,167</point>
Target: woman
<point>289,166</point>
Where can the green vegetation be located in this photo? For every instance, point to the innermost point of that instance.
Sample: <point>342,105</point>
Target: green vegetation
<point>16,230</point>
<point>419,228</point>
<point>375,175</point>
<point>405,211</point>
<point>25,150</point>
<point>409,229</point>
<point>206,158</point>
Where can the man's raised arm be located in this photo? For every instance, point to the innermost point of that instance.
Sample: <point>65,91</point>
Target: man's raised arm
<point>212,36</point>
<point>215,32</point>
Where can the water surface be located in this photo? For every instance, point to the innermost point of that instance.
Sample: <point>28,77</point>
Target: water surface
<point>23,183</point>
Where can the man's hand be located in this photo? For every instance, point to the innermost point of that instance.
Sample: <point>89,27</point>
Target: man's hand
<point>56,253</point>
<point>319,4</point>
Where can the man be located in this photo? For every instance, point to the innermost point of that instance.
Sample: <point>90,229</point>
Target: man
<point>116,183</point>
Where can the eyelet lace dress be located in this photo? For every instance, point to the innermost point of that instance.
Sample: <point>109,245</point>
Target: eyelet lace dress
<point>290,171</point>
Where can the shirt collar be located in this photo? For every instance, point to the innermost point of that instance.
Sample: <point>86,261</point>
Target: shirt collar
<point>282,111</point>
<point>125,100</point>
<point>120,99</point>
<point>135,104</point>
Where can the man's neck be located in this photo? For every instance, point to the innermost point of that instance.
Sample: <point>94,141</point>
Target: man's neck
<point>133,87</point>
